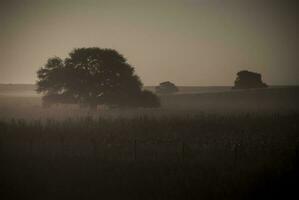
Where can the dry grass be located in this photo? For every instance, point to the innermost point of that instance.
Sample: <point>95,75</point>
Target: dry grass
<point>211,146</point>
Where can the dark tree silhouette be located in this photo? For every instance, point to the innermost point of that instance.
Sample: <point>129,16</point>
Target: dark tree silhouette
<point>166,88</point>
<point>91,77</point>
<point>246,80</point>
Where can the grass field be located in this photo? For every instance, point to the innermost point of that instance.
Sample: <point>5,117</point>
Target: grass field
<point>214,145</point>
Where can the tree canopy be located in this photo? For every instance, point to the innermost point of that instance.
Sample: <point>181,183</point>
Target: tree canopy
<point>93,76</point>
<point>246,80</point>
<point>166,87</point>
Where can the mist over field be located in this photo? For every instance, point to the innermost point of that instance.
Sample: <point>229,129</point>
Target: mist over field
<point>203,142</point>
<point>160,99</point>
<point>22,101</point>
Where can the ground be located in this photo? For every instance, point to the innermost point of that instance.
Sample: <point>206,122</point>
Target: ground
<point>201,144</point>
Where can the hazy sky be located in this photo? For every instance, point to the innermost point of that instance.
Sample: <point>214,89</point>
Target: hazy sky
<point>189,42</point>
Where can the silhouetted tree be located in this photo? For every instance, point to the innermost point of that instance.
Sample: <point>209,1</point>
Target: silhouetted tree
<point>93,76</point>
<point>149,99</point>
<point>246,79</point>
<point>166,88</point>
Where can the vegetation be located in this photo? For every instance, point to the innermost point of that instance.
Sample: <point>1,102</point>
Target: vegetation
<point>246,79</point>
<point>271,100</point>
<point>183,157</point>
<point>221,145</point>
<point>93,76</point>
<point>166,88</point>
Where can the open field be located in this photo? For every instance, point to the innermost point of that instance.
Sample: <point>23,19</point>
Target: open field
<point>272,100</point>
<point>29,89</point>
<point>204,156</point>
<point>214,145</point>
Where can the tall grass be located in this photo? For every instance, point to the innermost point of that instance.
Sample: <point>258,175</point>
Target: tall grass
<point>203,156</point>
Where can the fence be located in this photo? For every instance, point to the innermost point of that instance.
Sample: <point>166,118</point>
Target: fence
<point>231,152</point>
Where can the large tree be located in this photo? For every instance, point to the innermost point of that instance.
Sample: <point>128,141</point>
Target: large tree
<point>93,76</point>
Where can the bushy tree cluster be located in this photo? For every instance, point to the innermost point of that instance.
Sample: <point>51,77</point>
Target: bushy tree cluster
<point>166,87</point>
<point>91,77</point>
<point>246,80</point>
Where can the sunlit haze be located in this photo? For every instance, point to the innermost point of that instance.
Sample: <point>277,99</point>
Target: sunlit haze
<point>190,42</point>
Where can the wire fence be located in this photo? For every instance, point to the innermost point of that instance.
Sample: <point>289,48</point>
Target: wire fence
<point>149,150</point>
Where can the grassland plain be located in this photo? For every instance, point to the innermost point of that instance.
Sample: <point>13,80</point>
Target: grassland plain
<point>273,100</point>
<point>204,156</point>
<point>237,145</point>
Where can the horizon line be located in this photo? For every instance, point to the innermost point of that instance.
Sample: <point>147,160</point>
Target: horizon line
<point>157,85</point>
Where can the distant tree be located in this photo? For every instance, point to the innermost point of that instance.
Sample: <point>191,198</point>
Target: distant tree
<point>246,79</point>
<point>91,77</point>
<point>166,88</point>
<point>149,99</point>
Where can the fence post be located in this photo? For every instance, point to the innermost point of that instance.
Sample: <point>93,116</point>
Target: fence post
<point>94,146</point>
<point>31,146</point>
<point>235,154</point>
<point>62,145</point>
<point>135,150</point>
<point>296,162</point>
<point>183,151</point>
<point>95,152</point>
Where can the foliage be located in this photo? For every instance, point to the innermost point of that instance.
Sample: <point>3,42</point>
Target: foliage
<point>246,79</point>
<point>92,76</point>
<point>166,88</point>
